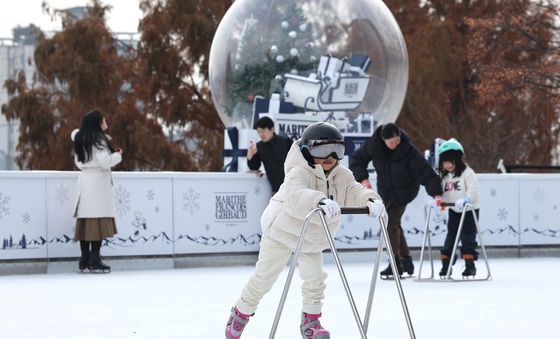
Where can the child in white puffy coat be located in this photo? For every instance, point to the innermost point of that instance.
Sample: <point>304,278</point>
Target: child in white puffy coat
<point>314,178</point>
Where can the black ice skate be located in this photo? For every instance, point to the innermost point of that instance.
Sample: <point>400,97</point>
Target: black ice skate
<point>388,272</point>
<point>408,265</point>
<point>96,265</point>
<point>83,265</point>
<point>444,266</point>
<point>470,269</point>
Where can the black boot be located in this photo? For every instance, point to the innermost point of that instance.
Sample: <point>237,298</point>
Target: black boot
<point>444,266</point>
<point>96,265</point>
<point>470,269</point>
<point>388,272</point>
<point>84,261</point>
<point>408,265</point>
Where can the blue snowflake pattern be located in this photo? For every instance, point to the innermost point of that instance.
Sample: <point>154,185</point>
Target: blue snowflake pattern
<point>150,195</point>
<point>538,195</point>
<point>350,218</point>
<point>61,194</point>
<point>190,201</point>
<point>122,199</point>
<point>4,205</point>
<point>502,214</point>
<point>493,192</point>
<point>257,189</point>
<point>26,218</point>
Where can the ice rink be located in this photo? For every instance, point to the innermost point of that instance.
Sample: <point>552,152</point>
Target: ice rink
<point>521,301</point>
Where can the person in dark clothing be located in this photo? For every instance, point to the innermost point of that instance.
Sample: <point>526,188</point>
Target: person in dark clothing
<point>271,151</point>
<point>401,169</point>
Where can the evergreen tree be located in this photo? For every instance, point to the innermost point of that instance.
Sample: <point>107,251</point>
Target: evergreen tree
<point>262,60</point>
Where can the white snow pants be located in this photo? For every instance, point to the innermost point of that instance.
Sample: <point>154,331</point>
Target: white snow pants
<point>273,257</point>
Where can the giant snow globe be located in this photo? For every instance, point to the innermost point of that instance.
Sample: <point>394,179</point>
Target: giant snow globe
<point>302,61</point>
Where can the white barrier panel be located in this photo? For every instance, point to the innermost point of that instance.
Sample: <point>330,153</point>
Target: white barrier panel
<point>167,213</point>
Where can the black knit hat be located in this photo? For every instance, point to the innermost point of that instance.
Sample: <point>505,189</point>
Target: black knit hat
<point>390,130</point>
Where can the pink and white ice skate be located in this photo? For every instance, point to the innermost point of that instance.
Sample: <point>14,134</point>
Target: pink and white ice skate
<point>236,324</point>
<point>311,327</point>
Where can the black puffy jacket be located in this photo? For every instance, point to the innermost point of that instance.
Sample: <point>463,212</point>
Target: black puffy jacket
<point>399,173</point>
<point>272,154</point>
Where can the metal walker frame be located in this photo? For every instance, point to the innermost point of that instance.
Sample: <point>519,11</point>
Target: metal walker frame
<point>427,238</point>
<point>383,240</point>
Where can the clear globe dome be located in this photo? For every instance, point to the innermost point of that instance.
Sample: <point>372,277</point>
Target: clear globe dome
<point>296,47</point>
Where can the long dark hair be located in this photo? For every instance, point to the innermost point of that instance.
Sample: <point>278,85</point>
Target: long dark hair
<point>455,157</point>
<point>90,135</point>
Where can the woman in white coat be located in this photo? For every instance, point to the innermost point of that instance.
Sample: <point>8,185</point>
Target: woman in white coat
<point>95,202</point>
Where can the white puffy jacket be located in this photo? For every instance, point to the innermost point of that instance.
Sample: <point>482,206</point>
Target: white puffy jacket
<point>303,188</point>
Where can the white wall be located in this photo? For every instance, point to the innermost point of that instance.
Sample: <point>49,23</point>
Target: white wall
<point>166,213</point>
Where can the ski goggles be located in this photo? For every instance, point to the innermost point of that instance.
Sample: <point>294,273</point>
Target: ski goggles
<point>324,150</point>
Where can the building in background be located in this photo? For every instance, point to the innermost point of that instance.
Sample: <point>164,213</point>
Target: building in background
<point>16,55</point>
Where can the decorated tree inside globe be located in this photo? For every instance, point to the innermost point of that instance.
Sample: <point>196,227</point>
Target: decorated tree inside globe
<point>263,57</point>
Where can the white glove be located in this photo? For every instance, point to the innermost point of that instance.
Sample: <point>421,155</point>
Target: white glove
<point>329,207</point>
<point>460,203</point>
<point>376,207</point>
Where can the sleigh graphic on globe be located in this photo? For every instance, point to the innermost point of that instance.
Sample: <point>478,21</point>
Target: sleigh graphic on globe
<point>338,85</point>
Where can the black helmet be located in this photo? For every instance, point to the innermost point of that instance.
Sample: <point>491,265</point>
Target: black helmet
<point>322,140</point>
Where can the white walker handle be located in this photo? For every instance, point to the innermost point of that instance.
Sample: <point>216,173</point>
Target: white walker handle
<point>384,238</point>
<point>344,210</point>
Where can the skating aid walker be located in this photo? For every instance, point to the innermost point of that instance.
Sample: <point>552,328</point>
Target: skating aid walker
<point>428,243</point>
<point>383,241</point>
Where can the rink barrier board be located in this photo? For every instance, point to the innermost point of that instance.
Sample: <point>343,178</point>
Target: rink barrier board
<point>167,214</point>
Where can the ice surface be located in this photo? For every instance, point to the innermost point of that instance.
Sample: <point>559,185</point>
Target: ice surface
<point>520,302</point>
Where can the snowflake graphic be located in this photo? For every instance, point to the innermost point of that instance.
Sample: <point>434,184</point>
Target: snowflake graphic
<point>207,227</point>
<point>156,209</point>
<point>61,194</point>
<point>502,214</point>
<point>493,192</point>
<point>26,218</point>
<point>190,201</point>
<point>122,199</point>
<point>350,218</point>
<point>151,195</point>
<point>257,189</point>
<point>538,195</point>
<point>536,217</point>
<point>4,205</point>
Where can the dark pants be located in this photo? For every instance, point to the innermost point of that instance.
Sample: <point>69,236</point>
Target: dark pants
<point>467,237</point>
<point>396,233</point>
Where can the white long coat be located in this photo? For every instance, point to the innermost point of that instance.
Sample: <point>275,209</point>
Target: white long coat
<point>96,197</point>
<point>303,188</point>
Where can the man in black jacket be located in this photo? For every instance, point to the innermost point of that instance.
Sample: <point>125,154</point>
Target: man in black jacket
<point>271,151</point>
<point>401,169</point>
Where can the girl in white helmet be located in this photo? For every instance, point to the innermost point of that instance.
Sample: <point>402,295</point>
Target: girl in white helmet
<point>314,178</point>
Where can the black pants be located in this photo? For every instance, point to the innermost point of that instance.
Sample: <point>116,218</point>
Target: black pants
<point>467,237</point>
<point>394,228</point>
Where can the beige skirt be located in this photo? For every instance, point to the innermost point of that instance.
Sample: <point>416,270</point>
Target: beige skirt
<point>95,229</point>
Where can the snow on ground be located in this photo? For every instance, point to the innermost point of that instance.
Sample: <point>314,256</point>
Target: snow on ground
<point>521,301</point>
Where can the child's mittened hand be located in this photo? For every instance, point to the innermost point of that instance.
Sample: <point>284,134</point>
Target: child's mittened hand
<point>366,184</point>
<point>460,203</point>
<point>376,207</point>
<point>329,207</point>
